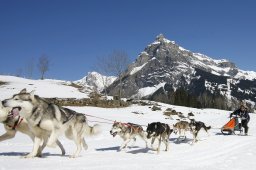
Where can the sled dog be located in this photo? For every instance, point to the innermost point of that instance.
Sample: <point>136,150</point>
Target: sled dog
<point>49,121</point>
<point>161,131</point>
<point>127,131</point>
<point>181,127</point>
<point>14,123</point>
<point>196,126</point>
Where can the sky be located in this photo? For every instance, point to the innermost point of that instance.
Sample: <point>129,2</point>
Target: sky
<point>74,33</point>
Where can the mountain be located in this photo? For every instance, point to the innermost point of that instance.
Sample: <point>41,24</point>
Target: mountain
<point>164,69</point>
<point>94,81</point>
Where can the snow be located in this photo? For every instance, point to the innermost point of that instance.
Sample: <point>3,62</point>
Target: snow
<point>143,53</point>
<point>149,90</point>
<point>249,75</point>
<point>202,57</point>
<point>213,152</point>
<point>168,41</point>
<point>136,69</point>
<point>95,80</point>
<point>183,49</point>
<point>155,43</point>
<point>44,88</point>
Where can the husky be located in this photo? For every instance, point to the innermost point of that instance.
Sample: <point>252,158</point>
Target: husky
<point>48,121</point>
<point>127,131</point>
<point>14,123</point>
<point>181,127</point>
<point>161,131</point>
<point>195,127</point>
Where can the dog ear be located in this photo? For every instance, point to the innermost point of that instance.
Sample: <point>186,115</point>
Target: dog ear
<point>32,94</point>
<point>23,91</point>
<point>155,126</point>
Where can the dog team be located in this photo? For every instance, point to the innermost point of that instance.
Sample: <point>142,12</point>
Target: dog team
<point>45,122</point>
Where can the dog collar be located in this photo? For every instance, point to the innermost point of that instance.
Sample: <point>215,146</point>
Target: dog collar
<point>16,123</point>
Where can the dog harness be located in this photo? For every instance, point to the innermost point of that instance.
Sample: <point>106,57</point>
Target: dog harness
<point>133,127</point>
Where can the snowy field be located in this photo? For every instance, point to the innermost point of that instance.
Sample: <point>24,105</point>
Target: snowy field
<point>213,152</point>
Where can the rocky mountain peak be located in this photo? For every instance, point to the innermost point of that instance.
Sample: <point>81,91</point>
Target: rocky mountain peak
<point>165,65</point>
<point>160,38</point>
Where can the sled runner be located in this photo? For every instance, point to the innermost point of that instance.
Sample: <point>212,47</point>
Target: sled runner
<point>230,127</point>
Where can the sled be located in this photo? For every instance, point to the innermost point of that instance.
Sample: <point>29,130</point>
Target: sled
<point>231,127</point>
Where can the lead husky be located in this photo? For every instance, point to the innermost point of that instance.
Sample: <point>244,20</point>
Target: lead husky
<point>47,120</point>
<point>14,123</point>
<point>128,131</point>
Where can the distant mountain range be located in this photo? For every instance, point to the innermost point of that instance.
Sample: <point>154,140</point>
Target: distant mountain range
<point>165,72</point>
<point>94,82</point>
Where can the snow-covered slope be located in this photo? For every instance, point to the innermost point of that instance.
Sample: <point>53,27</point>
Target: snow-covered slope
<point>213,152</point>
<point>95,81</point>
<point>44,88</point>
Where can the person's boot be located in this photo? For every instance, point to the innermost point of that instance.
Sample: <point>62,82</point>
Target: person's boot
<point>246,131</point>
<point>240,128</point>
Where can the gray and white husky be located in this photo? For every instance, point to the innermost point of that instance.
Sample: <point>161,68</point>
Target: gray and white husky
<point>128,131</point>
<point>47,120</point>
<point>14,123</point>
<point>181,127</point>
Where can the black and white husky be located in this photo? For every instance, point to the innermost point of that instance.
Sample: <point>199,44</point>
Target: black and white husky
<point>195,127</point>
<point>161,131</point>
<point>49,121</point>
<point>127,131</point>
<point>14,123</point>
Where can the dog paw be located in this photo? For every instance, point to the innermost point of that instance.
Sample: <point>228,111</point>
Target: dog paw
<point>85,147</point>
<point>191,143</point>
<point>28,156</point>
<point>120,149</point>
<point>73,156</point>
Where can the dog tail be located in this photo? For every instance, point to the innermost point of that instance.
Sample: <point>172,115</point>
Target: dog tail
<point>209,127</point>
<point>92,130</point>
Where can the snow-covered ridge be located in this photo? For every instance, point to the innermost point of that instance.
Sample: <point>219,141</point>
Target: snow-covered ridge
<point>44,88</point>
<point>216,66</point>
<point>136,69</point>
<point>95,81</point>
<point>148,90</point>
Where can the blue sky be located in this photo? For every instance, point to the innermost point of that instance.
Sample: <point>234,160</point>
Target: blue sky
<point>73,33</point>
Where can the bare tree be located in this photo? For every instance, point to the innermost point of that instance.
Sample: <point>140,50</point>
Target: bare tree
<point>117,63</point>
<point>30,67</point>
<point>43,65</point>
<point>114,64</point>
<point>19,72</point>
<point>101,67</point>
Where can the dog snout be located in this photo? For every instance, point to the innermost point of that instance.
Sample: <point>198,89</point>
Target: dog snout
<point>3,102</point>
<point>148,136</point>
<point>110,132</point>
